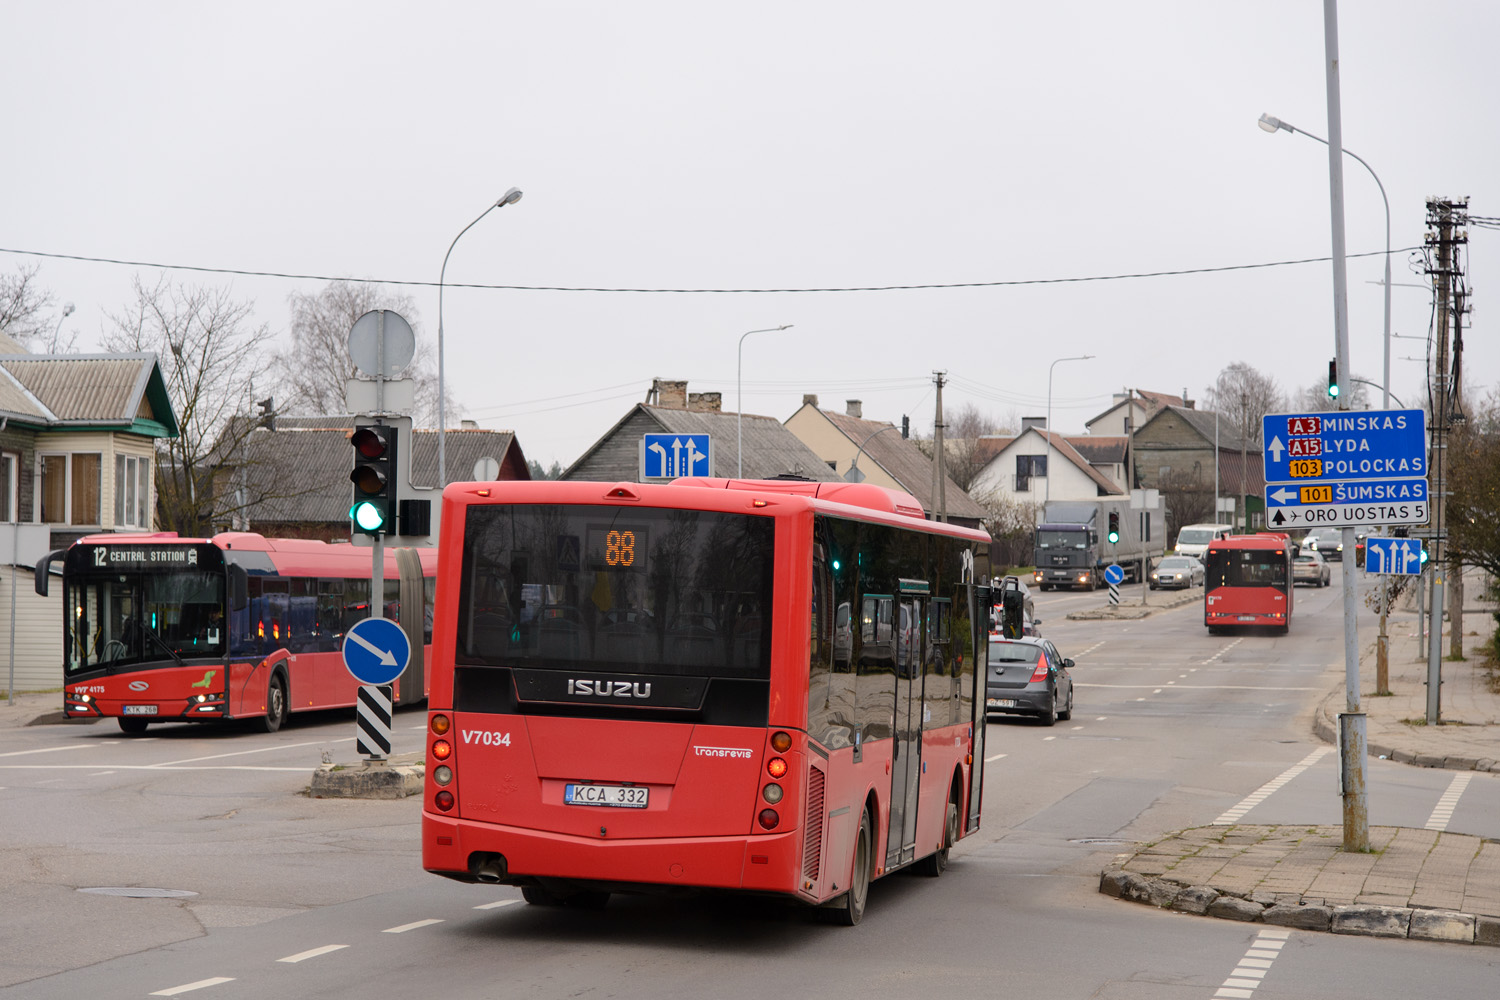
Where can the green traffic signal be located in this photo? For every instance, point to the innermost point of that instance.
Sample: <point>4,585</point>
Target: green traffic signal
<point>1333,379</point>
<point>367,516</point>
<point>374,478</point>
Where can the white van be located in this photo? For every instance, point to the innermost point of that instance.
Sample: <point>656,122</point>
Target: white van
<point>1194,539</point>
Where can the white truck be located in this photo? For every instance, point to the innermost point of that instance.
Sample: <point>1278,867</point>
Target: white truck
<point>1073,548</point>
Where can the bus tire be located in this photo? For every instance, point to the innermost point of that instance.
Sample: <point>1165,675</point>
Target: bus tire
<point>851,907</point>
<point>535,895</point>
<point>586,900</point>
<point>275,703</point>
<point>132,726</point>
<point>937,862</point>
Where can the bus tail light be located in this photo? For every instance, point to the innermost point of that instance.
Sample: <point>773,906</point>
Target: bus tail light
<point>781,742</point>
<point>440,725</point>
<point>771,793</point>
<point>767,818</point>
<point>776,767</point>
<point>442,774</point>
<point>442,749</point>
<point>444,800</point>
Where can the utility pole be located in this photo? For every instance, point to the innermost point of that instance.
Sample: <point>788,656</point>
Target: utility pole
<point>939,479</point>
<point>1445,216</point>
<point>1456,415</point>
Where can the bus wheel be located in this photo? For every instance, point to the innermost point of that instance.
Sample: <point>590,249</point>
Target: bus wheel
<point>853,907</point>
<point>275,704</point>
<point>133,726</point>
<point>586,900</point>
<point>937,862</point>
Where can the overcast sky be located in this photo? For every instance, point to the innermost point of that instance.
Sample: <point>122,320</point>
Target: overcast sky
<point>805,145</point>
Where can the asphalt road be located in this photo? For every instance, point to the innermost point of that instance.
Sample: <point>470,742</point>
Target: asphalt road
<point>296,897</point>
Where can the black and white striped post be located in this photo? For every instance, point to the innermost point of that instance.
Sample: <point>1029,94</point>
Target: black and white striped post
<point>373,727</point>
<point>1114,576</point>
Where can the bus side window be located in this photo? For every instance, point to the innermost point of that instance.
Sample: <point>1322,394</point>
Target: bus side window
<point>330,623</point>
<point>429,598</point>
<point>244,634</point>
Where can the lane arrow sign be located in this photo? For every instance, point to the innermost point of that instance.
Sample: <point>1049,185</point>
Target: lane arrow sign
<point>387,658</point>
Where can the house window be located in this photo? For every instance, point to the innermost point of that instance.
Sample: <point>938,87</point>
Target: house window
<point>71,489</point>
<point>10,494</point>
<point>132,491</point>
<point>1029,466</point>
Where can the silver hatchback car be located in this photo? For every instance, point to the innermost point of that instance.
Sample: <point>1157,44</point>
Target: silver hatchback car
<point>1028,676</point>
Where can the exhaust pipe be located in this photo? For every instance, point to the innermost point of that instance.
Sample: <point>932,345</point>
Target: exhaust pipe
<point>488,868</point>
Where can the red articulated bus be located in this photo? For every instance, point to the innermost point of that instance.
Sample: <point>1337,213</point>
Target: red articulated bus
<point>158,628</point>
<point>747,685</point>
<point>1249,582</point>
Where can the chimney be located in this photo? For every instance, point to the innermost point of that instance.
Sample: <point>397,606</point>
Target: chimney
<point>810,399</point>
<point>1027,423</point>
<point>705,402</point>
<point>669,394</point>
<point>854,408</point>
<point>468,425</point>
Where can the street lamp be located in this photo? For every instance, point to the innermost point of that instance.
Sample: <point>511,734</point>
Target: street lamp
<point>739,399</point>
<point>1271,125</point>
<point>1081,357</point>
<point>67,311</point>
<point>508,198</point>
<point>854,475</point>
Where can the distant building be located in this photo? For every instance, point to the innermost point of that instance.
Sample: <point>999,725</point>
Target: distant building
<point>1039,465</point>
<point>1175,446</point>
<point>770,449</point>
<point>1132,410</point>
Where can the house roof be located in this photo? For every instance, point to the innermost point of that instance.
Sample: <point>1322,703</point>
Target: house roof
<point>315,462</point>
<point>769,448</point>
<point>1202,421</point>
<point>1063,446</point>
<point>904,462</point>
<point>1101,449</point>
<point>1145,399</point>
<point>115,391</point>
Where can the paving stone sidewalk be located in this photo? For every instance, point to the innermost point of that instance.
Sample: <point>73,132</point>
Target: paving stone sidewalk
<point>1420,884</point>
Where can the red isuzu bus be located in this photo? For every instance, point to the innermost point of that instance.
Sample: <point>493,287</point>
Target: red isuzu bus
<point>1249,582</point>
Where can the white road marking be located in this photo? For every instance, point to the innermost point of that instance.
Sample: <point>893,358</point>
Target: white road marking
<point>241,753</point>
<point>101,774</point>
<point>1201,687</point>
<point>1077,728</point>
<point>1442,814</point>
<point>1101,718</point>
<point>411,926</point>
<point>1264,792</point>
<point>1157,691</point>
<point>303,956</point>
<point>1046,738</point>
<point>147,767</point>
<point>1251,969</point>
<point>507,902</point>
<point>193,986</point>
<point>996,757</point>
<point>1090,649</point>
<point>23,753</point>
<point>1223,651</point>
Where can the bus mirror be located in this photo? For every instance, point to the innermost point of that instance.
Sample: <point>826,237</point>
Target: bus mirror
<point>239,587</point>
<point>44,570</point>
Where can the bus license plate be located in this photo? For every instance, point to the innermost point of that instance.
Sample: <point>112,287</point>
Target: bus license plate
<point>1247,618</point>
<point>140,709</point>
<point>1000,703</point>
<point>623,796</point>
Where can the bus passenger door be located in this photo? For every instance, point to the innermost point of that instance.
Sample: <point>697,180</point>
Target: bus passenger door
<point>901,838</point>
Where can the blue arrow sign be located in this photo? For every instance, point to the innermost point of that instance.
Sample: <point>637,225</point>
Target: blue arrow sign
<point>376,651</point>
<point>1114,574</point>
<point>1393,556</point>
<point>1344,445</point>
<point>1357,491</point>
<point>667,456</point>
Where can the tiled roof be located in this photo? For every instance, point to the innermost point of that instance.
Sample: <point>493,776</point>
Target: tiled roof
<point>904,462</point>
<point>91,388</point>
<point>1101,449</point>
<point>1063,446</point>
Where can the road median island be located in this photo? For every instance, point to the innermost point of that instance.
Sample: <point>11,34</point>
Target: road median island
<point>1131,612</point>
<point>1418,884</point>
<point>397,778</point>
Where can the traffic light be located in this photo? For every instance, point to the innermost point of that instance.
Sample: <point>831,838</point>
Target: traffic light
<point>374,478</point>
<point>1333,379</point>
<point>905,427</point>
<point>1114,526</point>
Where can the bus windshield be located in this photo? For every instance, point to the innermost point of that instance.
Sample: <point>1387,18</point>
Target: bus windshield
<point>1246,568</point>
<point>118,618</point>
<point>612,589</point>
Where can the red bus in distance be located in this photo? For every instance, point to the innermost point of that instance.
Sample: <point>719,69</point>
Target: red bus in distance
<point>750,685</point>
<point>158,628</point>
<point>1249,583</point>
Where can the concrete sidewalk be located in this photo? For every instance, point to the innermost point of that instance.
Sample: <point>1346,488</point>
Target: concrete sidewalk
<point>1423,884</point>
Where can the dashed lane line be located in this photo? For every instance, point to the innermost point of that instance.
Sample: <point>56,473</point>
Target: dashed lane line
<point>1200,687</point>
<point>23,753</point>
<point>1222,651</point>
<point>1251,970</point>
<point>996,757</point>
<point>1265,791</point>
<point>303,956</point>
<point>1086,652</point>
<point>190,987</point>
<point>411,926</point>
<point>1442,814</point>
<point>508,902</point>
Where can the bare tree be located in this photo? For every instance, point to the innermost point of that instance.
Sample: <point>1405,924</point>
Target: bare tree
<point>314,369</point>
<point>209,354</point>
<point>1011,524</point>
<point>1188,499</point>
<point>25,307</point>
<point>963,455</point>
<point>1242,397</point>
<point>1315,397</point>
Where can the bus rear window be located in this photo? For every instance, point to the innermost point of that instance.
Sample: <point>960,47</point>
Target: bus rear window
<point>616,589</point>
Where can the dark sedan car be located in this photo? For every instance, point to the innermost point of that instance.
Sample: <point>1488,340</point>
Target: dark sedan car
<point>1028,676</point>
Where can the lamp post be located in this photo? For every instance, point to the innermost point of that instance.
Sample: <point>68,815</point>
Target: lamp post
<point>854,475</point>
<point>739,399</point>
<point>67,311</point>
<point>1271,125</point>
<point>508,198</point>
<point>1081,357</point>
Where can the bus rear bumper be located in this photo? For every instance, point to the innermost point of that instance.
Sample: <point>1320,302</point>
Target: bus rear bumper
<point>487,852</point>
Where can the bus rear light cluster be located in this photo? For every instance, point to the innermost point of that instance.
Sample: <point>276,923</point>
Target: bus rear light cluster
<point>440,725</point>
<point>767,818</point>
<point>776,767</point>
<point>771,793</point>
<point>781,742</point>
<point>443,800</point>
<point>442,774</point>
<point>442,749</point>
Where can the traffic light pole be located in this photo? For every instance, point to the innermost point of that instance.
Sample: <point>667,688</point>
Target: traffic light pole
<point>377,577</point>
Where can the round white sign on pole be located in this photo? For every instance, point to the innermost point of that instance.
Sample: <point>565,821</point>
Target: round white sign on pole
<point>366,349</point>
<point>486,470</point>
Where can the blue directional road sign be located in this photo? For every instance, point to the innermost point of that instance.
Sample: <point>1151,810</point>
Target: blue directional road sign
<point>668,456</point>
<point>1397,556</point>
<point>1114,574</point>
<point>1344,445</point>
<point>376,651</point>
<point>1347,504</point>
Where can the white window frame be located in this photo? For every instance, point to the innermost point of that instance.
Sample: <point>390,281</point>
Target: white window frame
<point>13,501</point>
<point>132,478</point>
<point>41,487</point>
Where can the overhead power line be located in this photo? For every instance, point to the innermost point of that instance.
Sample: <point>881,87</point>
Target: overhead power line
<point>687,291</point>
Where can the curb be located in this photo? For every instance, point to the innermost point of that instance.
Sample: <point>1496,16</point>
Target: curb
<point>1130,612</point>
<point>1292,910</point>
<point>1326,729</point>
<point>394,779</point>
